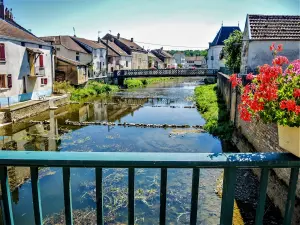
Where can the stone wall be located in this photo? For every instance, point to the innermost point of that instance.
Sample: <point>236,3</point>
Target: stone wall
<point>259,137</point>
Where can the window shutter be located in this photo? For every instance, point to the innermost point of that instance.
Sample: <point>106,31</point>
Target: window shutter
<point>9,81</point>
<point>42,80</point>
<point>45,80</point>
<point>2,52</point>
<point>41,60</point>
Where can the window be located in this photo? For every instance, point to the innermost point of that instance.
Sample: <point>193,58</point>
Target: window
<point>126,63</point>
<point>22,43</point>
<point>77,56</point>
<point>9,81</point>
<point>57,49</point>
<point>40,46</point>
<point>212,57</point>
<point>103,63</point>
<point>44,81</point>
<point>2,52</point>
<point>41,58</point>
<point>140,60</point>
<point>2,81</point>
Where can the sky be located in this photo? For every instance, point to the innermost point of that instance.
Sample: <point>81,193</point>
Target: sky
<point>172,24</point>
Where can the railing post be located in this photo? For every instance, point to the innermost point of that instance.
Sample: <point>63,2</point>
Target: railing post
<point>131,196</point>
<point>6,197</point>
<point>67,196</point>
<point>163,196</point>
<point>195,194</point>
<point>260,210</point>
<point>99,195</point>
<point>36,196</point>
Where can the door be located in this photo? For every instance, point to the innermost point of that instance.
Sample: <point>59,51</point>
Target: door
<point>24,85</point>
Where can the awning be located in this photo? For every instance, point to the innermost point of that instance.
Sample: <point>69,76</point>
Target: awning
<point>34,51</point>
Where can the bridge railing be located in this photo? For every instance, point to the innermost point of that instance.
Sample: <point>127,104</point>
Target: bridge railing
<point>165,72</point>
<point>231,162</point>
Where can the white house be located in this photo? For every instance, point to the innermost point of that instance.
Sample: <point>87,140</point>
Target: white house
<point>196,61</point>
<point>98,52</point>
<point>180,59</point>
<point>263,30</point>
<point>26,63</point>
<point>215,47</point>
<point>118,59</point>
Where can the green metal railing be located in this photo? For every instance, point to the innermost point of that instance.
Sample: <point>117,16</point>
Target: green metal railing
<point>229,161</point>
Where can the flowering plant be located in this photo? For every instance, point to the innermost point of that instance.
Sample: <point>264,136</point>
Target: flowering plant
<point>274,94</point>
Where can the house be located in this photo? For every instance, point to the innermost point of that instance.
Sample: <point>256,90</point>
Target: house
<point>26,63</point>
<point>263,30</point>
<point>69,54</point>
<point>180,59</point>
<point>154,62</point>
<point>216,46</point>
<point>98,52</point>
<point>118,59</point>
<point>196,61</point>
<point>169,61</point>
<point>139,55</point>
<point>69,70</point>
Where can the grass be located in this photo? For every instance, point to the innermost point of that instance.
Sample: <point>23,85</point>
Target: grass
<point>92,89</point>
<point>214,111</point>
<point>141,82</point>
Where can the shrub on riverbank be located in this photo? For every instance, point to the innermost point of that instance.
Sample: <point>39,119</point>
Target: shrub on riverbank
<point>140,82</point>
<point>213,110</point>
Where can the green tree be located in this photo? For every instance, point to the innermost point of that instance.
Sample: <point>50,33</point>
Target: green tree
<point>232,51</point>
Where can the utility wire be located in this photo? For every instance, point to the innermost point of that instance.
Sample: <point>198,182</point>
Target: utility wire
<point>170,45</point>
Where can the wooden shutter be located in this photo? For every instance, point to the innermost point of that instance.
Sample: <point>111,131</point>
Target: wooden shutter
<point>42,80</point>
<point>41,60</point>
<point>2,52</point>
<point>9,81</point>
<point>2,81</point>
<point>45,81</point>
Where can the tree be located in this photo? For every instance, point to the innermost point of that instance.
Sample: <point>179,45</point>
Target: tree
<point>232,51</point>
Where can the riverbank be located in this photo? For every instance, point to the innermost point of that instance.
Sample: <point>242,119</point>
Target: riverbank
<point>142,82</point>
<point>213,109</point>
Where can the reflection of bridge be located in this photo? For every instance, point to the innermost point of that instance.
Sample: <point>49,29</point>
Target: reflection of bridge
<point>203,72</point>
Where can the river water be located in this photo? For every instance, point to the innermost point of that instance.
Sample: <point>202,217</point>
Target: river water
<point>163,104</point>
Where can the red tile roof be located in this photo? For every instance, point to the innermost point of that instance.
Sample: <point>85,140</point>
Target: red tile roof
<point>65,41</point>
<point>70,61</point>
<point>274,27</point>
<point>9,30</point>
<point>115,48</point>
<point>92,44</point>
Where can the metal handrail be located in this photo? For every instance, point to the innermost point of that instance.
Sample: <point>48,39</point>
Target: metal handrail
<point>131,160</point>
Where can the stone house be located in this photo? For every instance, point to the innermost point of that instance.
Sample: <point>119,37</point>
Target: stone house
<point>26,63</point>
<point>169,61</point>
<point>139,55</point>
<point>70,51</point>
<point>180,59</point>
<point>196,61</point>
<point>118,59</point>
<point>69,70</point>
<point>216,46</point>
<point>154,62</point>
<point>98,52</point>
<point>263,30</point>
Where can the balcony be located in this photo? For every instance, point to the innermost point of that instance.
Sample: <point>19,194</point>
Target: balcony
<point>230,162</point>
<point>37,71</point>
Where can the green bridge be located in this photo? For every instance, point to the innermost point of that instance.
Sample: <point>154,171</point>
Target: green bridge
<point>230,162</point>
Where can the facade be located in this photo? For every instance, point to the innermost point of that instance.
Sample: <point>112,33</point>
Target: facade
<point>68,70</point>
<point>139,55</point>
<point>196,61</point>
<point>169,61</point>
<point>154,62</point>
<point>263,30</point>
<point>180,59</point>
<point>117,58</point>
<point>26,63</point>
<point>215,47</point>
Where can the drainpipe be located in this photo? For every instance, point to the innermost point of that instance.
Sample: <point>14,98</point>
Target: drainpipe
<point>52,68</point>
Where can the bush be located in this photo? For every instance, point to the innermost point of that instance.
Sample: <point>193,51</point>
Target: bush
<point>62,87</point>
<point>133,83</point>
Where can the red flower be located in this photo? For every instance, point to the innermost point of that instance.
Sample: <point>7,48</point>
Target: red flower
<point>249,76</point>
<point>272,47</point>
<point>290,105</point>
<point>297,110</point>
<point>297,93</point>
<point>235,81</point>
<point>280,60</point>
<point>279,47</point>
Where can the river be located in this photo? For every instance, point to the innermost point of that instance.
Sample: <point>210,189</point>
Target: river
<point>160,104</point>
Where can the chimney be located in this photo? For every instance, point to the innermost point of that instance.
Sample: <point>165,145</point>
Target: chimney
<point>99,40</point>
<point>2,10</point>
<point>131,40</point>
<point>118,35</point>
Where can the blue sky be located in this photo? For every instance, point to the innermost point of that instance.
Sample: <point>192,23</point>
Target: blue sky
<point>191,23</point>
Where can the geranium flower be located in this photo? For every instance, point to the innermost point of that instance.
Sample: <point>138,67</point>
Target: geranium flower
<point>235,81</point>
<point>280,47</point>
<point>280,60</point>
<point>249,76</point>
<point>272,47</point>
<point>297,93</point>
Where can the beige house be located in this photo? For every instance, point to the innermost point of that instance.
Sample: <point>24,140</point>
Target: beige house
<point>139,55</point>
<point>165,57</point>
<point>154,62</point>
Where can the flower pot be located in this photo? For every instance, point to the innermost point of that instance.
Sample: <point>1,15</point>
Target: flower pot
<point>289,139</point>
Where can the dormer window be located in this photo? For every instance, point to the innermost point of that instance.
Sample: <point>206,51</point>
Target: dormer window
<point>77,56</point>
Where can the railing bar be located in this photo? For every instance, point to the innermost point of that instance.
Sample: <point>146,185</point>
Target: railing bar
<point>228,196</point>
<point>131,196</point>
<point>6,197</point>
<point>290,203</point>
<point>36,196</point>
<point>67,196</point>
<point>99,195</point>
<point>163,196</point>
<point>195,194</point>
<point>260,210</point>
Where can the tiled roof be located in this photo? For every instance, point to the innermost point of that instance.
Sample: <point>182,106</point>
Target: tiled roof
<point>115,48</point>
<point>70,61</point>
<point>223,34</point>
<point>92,44</point>
<point>274,27</point>
<point>65,41</point>
<point>194,58</point>
<point>161,54</point>
<point>9,30</point>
